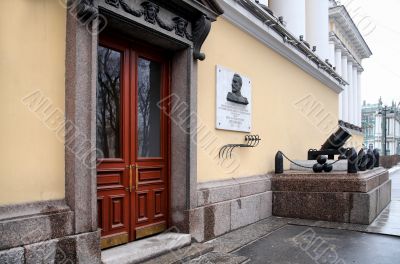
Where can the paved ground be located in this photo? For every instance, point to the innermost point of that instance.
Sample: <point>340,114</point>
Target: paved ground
<point>296,241</point>
<point>388,221</point>
<point>334,243</point>
<point>301,244</point>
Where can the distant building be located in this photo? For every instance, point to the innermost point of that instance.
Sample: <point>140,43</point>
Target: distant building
<point>369,112</point>
<point>373,123</point>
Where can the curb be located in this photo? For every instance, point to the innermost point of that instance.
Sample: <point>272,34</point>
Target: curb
<point>394,169</point>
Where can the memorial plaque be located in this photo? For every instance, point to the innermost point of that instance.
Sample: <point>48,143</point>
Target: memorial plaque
<point>233,101</point>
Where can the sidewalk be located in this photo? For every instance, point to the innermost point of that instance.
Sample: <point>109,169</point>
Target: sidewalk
<point>394,169</point>
<point>388,221</point>
<point>285,240</point>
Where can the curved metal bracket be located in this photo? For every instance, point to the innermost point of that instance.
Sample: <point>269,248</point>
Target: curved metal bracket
<point>251,141</point>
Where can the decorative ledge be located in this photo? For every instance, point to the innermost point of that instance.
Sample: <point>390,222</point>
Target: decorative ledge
<point>261,24</point>
<point>338,42</point>
<point>343,20</point>
<point>190,27</point>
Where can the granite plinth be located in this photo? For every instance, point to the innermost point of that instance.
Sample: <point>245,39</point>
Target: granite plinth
<point>80,249</point>
<point>337,181</point>
<point>340,197</point>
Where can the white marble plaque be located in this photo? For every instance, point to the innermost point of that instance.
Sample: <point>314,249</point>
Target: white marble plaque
<point>233,101</point>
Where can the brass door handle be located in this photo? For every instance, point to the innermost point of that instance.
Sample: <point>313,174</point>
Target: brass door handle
<point>130,177</point>
<point>137,178</point>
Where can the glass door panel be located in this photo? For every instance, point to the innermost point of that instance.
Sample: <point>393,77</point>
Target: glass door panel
<point>108,98</point>
<point>148,112</point>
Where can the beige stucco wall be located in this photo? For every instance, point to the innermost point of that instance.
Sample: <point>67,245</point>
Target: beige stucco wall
<point>32,58</point>
<point>356,141</point>
<point>292,111</point>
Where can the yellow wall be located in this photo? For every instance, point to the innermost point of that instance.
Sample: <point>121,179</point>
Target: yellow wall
<point>32,58</point>
<point>282,95</point>
<point>356,141</point>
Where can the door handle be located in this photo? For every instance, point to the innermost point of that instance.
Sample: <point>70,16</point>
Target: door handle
<point>130,177</point>
<point>137,177</point>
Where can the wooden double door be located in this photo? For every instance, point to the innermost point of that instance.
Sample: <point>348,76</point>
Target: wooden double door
<point>132,131</point>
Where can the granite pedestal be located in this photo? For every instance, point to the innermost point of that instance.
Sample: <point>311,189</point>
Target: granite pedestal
<point>337,196</point>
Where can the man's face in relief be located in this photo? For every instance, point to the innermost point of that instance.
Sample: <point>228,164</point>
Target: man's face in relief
<point>236,83</point>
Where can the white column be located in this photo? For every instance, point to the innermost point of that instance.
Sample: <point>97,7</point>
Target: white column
<point>378,126</point>
<point>355,97</point>
<point>350,93</point>
<point>317,26</point>
<point>338,61</point>
<point>359,96</point>
<point>391,126</point>
<point>293,12</point>
<point>338,65</point>
<point>332,53</point>
<point>345,109</point>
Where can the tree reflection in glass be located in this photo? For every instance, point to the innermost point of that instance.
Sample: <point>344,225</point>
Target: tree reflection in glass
<point>149,84</point>
<point>108,103</point>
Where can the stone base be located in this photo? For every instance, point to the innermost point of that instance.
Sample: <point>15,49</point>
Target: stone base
<point>82,248</point>
<point>339,197</point>
<point>227,205</point>
<point>43,232</point>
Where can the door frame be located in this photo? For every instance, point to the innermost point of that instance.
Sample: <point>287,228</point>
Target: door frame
<point>132,50</point>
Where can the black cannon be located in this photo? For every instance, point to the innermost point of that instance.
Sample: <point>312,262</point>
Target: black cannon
<point>332,146</point>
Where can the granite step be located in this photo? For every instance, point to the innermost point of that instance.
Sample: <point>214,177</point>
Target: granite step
<point>180,255</point>
<point>145,249</point>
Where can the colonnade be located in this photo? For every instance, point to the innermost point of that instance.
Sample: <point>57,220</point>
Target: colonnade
<point>310,18</point>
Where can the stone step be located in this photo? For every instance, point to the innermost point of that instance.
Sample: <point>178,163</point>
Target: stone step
<point>145,249</point>
<point>178,256</point>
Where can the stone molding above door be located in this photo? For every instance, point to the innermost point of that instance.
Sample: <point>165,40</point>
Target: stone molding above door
<point>187,21</point>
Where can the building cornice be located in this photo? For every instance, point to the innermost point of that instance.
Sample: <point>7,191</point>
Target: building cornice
<point>251,22</point>
<point>345,51</point>
<point>343,20</point>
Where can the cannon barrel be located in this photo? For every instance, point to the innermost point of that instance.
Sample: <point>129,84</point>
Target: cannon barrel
<point>337,139</point>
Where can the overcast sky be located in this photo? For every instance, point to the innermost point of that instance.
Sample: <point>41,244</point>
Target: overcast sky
<point>378,21</point>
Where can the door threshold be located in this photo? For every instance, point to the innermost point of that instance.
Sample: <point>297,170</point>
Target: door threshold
<point>145,249</point>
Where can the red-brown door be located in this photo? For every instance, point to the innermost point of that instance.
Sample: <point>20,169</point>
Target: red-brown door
<point>132,141</point>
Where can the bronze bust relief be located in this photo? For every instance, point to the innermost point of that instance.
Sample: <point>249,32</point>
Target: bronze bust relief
<point>236,96</point>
